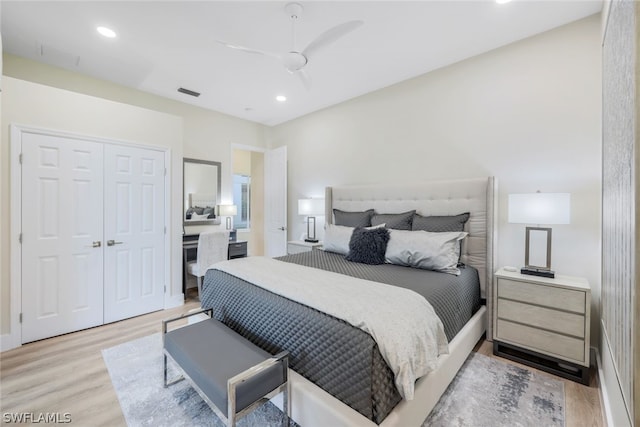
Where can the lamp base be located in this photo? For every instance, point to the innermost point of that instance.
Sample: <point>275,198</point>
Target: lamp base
<point>538,272</point>
<point>311,240</point>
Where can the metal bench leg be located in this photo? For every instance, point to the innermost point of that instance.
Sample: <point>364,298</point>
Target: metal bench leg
<point>164,356</point>
<point>166,370</point>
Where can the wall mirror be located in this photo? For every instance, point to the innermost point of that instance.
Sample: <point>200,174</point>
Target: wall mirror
<point>201,192</point>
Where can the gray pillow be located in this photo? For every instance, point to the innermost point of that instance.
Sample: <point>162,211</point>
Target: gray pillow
<point>209,212</point>
<point>401,221</point>
<point>368,246</point>
<point>353,219</point>
<point>439,224</point>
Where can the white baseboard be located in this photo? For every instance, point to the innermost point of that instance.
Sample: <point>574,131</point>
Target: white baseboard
<point>613,404</point>
<point>11,341</point>
<point>8,342</point>
<point>173,301</point>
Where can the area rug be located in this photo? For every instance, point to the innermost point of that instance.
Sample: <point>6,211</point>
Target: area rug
<point>486,392</point>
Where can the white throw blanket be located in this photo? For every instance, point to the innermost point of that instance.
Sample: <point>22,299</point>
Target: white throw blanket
<point>409,334</point>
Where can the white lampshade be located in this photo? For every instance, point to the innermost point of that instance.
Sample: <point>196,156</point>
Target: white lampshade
<point>227,210</point>
<point>540,208</point>
<point>311,207</point>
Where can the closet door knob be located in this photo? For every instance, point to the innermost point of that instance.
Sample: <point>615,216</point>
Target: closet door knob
<point>113,242</point>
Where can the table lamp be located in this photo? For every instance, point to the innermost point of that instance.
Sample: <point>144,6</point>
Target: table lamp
<point>228,211</point>
<point>311,208</point>
<point>539,208</point>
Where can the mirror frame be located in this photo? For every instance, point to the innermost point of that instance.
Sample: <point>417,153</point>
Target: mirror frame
<point>216,220</point>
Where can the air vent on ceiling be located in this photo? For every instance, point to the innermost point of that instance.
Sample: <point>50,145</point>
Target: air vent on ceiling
<point>189,92</point>
<point>59,57</point>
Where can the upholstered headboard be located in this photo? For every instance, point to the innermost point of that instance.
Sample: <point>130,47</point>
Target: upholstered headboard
<point>202,200</point>
<point>452,197</point>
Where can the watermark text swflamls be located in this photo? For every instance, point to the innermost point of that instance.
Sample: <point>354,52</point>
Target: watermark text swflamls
<point>36,417</point>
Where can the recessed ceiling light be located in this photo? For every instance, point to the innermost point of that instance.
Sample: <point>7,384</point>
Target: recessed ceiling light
<point>281,98</point>
<point>502,1</point>
<point>107,32</point>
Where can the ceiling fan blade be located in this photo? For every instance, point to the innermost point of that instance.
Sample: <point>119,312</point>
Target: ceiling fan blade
<point>249,50</point>
<point>304,78</point>
<point>330,36</point>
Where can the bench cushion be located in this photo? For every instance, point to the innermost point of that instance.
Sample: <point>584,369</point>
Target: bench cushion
<point>210,353</point>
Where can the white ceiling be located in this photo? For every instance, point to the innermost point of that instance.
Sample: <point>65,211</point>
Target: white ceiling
<point>164,45</point>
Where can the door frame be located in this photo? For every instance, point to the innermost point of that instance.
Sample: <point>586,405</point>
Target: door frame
<point>14,338</point>
<point>229,174</point>
<point>235,146</point>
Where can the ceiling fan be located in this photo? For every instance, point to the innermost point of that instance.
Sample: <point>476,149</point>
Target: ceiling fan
<point>295,61</point>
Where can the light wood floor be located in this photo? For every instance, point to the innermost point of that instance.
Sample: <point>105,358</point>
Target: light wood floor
<point>67,374</point>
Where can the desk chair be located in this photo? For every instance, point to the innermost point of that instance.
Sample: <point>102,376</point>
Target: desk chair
<point>213,246</point>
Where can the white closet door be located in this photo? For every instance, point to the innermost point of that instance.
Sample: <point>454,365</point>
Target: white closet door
<point>62,212</point>
<point>133,232</point>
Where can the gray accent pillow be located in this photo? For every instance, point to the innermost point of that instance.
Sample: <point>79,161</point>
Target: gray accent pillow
<point>353,219</point>
<point>439,224</point>
<point>400,221</point>
<point>368,246</point>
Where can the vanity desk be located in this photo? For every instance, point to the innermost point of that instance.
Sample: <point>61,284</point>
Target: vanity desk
<point>237,249</point>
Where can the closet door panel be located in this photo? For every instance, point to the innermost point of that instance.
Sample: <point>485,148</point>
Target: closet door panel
<point>134,226</point>
<point>62,214</point>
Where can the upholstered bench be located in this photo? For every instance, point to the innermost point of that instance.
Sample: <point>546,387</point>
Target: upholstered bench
<point>230,373</point>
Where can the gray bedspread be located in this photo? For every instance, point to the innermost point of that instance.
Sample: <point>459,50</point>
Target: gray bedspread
<point>339,358</point>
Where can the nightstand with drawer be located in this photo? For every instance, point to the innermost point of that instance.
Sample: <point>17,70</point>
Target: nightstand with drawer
<point>543,322</point>
<point>237,249</point>
<point>298,246</point>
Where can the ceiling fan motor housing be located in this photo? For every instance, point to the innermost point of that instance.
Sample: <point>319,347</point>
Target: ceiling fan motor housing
<point>294,10</point>
<point>294,61</point>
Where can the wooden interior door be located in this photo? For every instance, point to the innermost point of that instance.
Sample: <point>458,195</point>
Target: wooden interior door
<point>62,248</point>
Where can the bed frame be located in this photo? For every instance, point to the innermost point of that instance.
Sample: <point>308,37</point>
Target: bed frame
<point>312,406</point>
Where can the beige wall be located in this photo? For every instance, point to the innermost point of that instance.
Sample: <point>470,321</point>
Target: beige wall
<point>528,113</point>
<point>257,203</point>
<point>208,135</point>
<point>35,105</point>
<point>251,163</point>
<point>241,162</point>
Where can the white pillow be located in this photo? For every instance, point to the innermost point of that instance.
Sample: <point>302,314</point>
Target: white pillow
<point>196,217</point>
<point>426,250</point>
<point>337,238</point>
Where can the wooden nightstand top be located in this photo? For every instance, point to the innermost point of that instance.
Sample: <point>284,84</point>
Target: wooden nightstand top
<point>560,281</point>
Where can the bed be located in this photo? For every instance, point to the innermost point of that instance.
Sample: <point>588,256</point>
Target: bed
<point>339,376</point>
<point>200,207</point>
